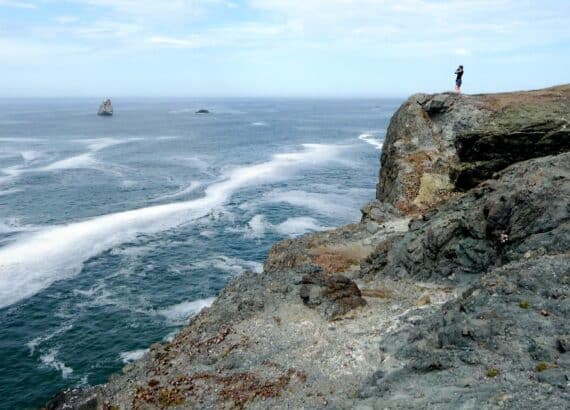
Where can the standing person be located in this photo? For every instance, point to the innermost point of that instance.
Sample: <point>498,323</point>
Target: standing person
<point>458,79</point>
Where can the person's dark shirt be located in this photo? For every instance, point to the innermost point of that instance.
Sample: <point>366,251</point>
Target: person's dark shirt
<point>459,73</point>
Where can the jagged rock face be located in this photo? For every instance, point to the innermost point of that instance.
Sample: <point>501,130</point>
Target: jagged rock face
<point>524,211</point>
<point>420,149</point>
<point>106,108</point>
<point>481,153</point>
<point>497,346</point>
<point>437,143</point>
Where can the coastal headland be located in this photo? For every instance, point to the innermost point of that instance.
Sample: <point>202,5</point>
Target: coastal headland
<point>452,292</point>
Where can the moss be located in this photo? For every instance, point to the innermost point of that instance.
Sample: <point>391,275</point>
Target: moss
<point>523,304</point>
<point>542,366</point>
<point>493,372</point>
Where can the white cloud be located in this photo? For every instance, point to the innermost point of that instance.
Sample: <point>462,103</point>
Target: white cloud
<point>67,19</point>
<point>156,9</point>
<point>406,28</point>
<point>15,50</point>
<point>461,51</point>
<point>173,42</point>
<point>104,29</point>
<point>17,4</point>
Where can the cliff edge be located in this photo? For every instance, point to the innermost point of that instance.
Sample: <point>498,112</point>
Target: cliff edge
<point>452,292</point>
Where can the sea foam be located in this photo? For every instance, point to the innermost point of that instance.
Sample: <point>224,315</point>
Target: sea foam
<point>298,226</point>
<point>131,356</point>
<point>35,260</point>
<point>49,359</point>
<point>371,139</point>
<point>178,314</point>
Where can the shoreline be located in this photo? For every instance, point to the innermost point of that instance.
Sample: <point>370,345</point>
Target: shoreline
<point>420,303</point>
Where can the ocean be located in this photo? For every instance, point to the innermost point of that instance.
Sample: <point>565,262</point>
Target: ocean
<point>114,231</point>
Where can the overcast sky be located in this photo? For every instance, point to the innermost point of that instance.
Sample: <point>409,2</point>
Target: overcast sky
<point>279,47</point>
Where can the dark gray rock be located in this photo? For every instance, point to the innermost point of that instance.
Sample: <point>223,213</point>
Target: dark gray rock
<point>486,336</point>
<point>332,295</point>
<point>525,209</point>
<point>378,212</point>
<point>106,108</point>
<point>482,153</point>
<point>438,103</point>
<point>437,142</point>
<point>76,399</point>
<point>556,377</point>
<point>564,343</point>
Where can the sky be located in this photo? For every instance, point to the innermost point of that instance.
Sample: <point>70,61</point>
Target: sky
<point>271,48</point>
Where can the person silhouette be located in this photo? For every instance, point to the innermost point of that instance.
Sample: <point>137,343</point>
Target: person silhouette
<point>459,78</point>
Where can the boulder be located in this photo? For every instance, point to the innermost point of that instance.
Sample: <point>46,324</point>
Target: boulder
<point>106,108</point>
<point>332,295</point>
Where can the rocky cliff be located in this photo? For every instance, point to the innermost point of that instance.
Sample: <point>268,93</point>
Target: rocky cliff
<point>453,291</point>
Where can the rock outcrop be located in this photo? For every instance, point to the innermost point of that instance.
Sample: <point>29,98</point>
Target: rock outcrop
<point>106,108</point>
<point>452,292</point>
<point>437,143</point>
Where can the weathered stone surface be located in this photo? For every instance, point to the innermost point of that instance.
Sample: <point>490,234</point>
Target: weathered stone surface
<point>564,343</point>
<point>106,108</point>
<point>332,295</point>
<point>524,210</point>
<point>379,212</point>
<point>76,399</point>
<point>437,141</point>
<point>483,152</point>
<point>487,337</point>
<point>420,140</point>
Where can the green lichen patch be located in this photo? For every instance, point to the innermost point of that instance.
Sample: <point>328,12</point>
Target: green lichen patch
<point>523,304</point>
<point>492,372</point>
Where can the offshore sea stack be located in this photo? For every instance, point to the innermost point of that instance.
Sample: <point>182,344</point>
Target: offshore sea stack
<point>106,108</point>
<point>452,292</point>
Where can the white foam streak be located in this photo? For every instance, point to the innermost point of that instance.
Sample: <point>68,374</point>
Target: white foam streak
<point>12,225</point>
<point>85,160</point>
<point>257,227</point>
<point>299,226</point>
<point>128,357</point>
<point>98,144</point>
<point>10,191</point>
<point>34,343</point>
<point>194,185</point>
<point>331,205</point>
<point>235,266</point>
<point>35,260</point>
<point>178,314</point>
<point>49,360</point>
<point>29,156</point>
<point>371,139</point>
<point>76,162</point>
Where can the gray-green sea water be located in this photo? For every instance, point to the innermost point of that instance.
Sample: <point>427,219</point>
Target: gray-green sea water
<point>115,230</point>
